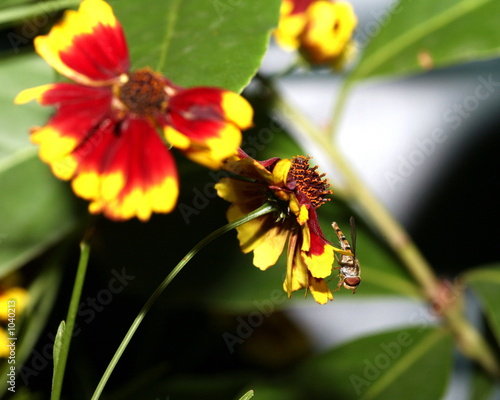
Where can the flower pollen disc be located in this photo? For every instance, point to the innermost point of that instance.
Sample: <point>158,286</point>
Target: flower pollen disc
<point>308,181</point>
<point>144,92</point>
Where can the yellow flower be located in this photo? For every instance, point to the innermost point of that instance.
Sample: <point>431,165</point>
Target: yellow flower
<point>298,190</point>
<point>321,29</point>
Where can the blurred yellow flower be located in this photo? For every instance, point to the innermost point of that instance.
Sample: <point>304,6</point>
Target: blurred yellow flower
<point>320,29</point>
<point>16,294</point>
<point>13,301</point>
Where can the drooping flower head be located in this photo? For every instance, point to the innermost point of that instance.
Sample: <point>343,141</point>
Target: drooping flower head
<point>321,29</point>
<point>104,135</point>
<point>299,190</point>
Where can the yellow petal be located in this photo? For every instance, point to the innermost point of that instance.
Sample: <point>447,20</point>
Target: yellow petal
<point>237,110</point>
<point>32,94</point>
<point>224,145</point>
<point>111,185</point>
<point>250,234</point>
<point>320,291</point>
<point>290,27</point>
<point>320,265</point>
<point>86,185</point>
<point>53,144</point>
<point>280,171</point>
<point>159,195</point>
<point>108,196</point>
<point>175,138</point>
<point>330,28</point>
<point>297,276</point>
<point>269,250</point>
<point>65,167</point>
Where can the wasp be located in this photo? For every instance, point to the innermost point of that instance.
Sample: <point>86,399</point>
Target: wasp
<point>348,264</point>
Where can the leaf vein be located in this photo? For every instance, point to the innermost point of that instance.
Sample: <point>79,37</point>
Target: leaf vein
<point>170,23</point>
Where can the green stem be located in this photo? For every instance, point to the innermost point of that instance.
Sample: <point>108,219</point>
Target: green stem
<point>338,107</point>
<point>469,340</point>
<point>60,366</point>
<point>265,209</point>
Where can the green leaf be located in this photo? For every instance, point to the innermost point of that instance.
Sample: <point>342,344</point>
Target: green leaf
<point>482,385</point>
<point>405,364</point>
<point>485,283</point>
<point>24,10</point>
<point>198,42</point>
<point>442,33</point>
<point>270,390</point>
<point>58,344</point>
<point>36,210</point>
<point>248,395</point>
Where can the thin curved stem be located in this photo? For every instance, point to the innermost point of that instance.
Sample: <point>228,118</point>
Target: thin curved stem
<point>265,209</point>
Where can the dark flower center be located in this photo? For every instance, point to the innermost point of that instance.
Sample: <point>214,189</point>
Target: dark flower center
<point>144,92</point>
<point>309,182</point>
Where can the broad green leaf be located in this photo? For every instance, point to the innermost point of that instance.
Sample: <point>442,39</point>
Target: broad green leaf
<point>11,3</point>
<point>486,285</point>
<point>198,42</point>
<point>405,364</point>
<point>18,73</point>
<point>36,209</point>
<point>431,34</point>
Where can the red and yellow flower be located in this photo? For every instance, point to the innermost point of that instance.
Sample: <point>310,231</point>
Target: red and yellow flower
<point>104,133</point>
<point>321,29</point>
<point>298,190</point>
